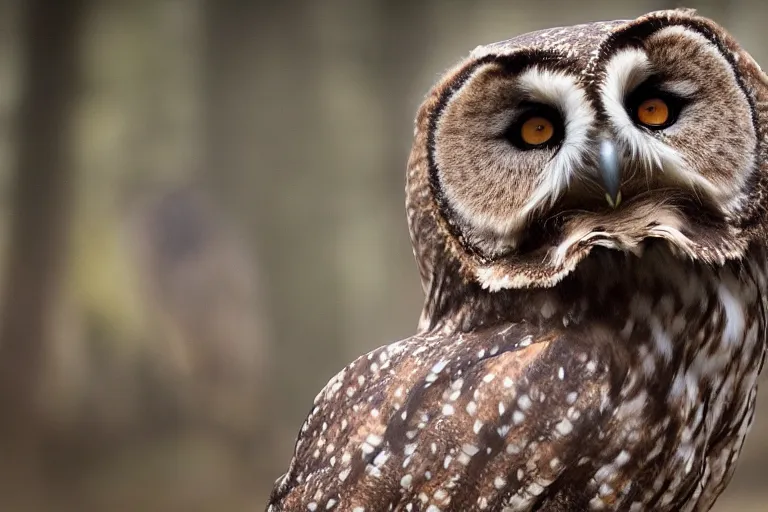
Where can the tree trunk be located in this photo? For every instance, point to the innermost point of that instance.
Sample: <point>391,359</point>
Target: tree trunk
<point>41,194</point>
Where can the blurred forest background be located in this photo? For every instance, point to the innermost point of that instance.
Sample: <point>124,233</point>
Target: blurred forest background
<point>201,221</point>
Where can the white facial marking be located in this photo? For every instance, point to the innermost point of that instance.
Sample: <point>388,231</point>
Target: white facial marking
<point>560,91</point>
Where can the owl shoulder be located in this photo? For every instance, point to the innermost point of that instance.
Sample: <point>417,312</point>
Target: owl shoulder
<point>435,404</point>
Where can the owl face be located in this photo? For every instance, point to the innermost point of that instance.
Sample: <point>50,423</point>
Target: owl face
<point>609,134</point>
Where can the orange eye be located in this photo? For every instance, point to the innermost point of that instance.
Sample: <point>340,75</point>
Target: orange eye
<point>537,131</point>
<point>653,112</point>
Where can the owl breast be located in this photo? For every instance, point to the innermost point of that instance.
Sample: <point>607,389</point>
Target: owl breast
<point>695,342</point>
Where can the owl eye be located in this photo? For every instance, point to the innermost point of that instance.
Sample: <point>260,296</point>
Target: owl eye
<point>538,127</point>
<point>537,131</point>
<point>653,109</point>
<point>653,113</point>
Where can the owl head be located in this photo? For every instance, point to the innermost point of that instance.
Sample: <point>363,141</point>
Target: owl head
<point>534,151</point>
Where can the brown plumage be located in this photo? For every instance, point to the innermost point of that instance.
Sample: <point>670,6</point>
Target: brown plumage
<point>572,354</point>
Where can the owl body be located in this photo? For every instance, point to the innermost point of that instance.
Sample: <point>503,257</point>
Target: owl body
<point>585,400</point>
<point>587,214</point>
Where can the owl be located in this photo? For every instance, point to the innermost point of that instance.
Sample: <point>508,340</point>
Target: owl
<point>587,207</point>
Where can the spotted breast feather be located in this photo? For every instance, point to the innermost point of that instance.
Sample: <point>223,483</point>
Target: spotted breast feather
<point>507,417</point>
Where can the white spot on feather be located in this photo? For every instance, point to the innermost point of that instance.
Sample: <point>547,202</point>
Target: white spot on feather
<point>734,315</point>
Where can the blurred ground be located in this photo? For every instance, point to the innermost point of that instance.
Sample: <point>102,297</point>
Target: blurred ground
<point>201,221</point>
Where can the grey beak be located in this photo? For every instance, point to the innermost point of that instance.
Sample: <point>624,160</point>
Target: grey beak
<point>610,172</point>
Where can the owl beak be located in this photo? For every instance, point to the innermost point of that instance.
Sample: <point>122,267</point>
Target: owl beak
<point>610,172</point>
